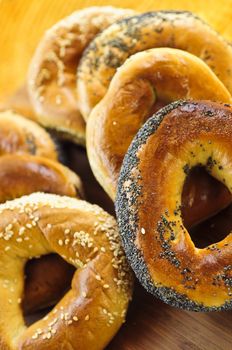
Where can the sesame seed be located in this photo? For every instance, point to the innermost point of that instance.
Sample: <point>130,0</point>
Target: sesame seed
<point>143,231</point>
<point>21,231</point>
<point>87,318</point>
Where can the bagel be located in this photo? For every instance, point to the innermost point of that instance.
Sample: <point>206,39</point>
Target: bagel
<point>47,278</point>
<point>181,136</point>
<point>25,174</point>
<point>52,72</point>
<point>147,79</point>
<point>22,136</point>
<point>86,237</point>
<point>175,29</point>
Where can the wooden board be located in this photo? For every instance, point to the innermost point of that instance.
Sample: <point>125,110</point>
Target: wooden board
<point>23,22</point>
<point>150,325</point>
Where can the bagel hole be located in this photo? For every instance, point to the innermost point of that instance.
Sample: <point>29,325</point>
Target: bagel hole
<point>212,230</point>
<point>47,279</point>
<point>208,221</point>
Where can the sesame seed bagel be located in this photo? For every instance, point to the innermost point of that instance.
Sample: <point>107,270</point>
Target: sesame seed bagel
<point>25,174</point>
<point>176,139</point>
<point>94,308</point>
<point>52,73</point>
<point>23,136</point>
<point>176,29</point>
<point>144,82</point>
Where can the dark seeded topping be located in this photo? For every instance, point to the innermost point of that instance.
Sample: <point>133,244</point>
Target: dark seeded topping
<point>129,186</point>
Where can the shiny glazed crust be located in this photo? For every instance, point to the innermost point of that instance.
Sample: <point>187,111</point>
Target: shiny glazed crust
<point>85,236</point>
<point>159,248</point>
<point>180,30</point>
<point>25,174</point>
<point>148,79</point>
<point>22,136</point>
<point>52,73</point>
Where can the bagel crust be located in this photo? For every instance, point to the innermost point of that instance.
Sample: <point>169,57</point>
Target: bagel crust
<point>174,29</point>
<point>52,73</point>
<point>25,174</point>
<point>85,236</point>
<point>144,82</point>
<point>179,137</point>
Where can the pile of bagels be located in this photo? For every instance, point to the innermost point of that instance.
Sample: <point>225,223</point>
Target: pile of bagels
<point>149,96</point>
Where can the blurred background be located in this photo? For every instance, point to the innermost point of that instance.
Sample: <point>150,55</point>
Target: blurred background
<point>23,22</point>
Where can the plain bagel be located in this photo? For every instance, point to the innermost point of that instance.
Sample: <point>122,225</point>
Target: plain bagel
<point>147,80</point>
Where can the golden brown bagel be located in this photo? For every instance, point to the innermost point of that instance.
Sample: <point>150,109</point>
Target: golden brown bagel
<point>22,136</point>
<point>179,137</point>
<point>52,73</point>
<point>25,174</point>
<point>94,308</point>
<point>176,29</point>
<point>154,76</point>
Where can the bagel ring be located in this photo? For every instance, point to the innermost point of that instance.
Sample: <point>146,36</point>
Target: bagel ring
<point>149,78</point>
<point>175,29</point>
<point>179,137</point>
<point>52,73</point>
<point>85,236</point>
<point>23,136</point>
<point>25,174</point>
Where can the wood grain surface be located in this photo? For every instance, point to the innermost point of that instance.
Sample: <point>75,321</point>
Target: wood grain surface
<point>23,22</point>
